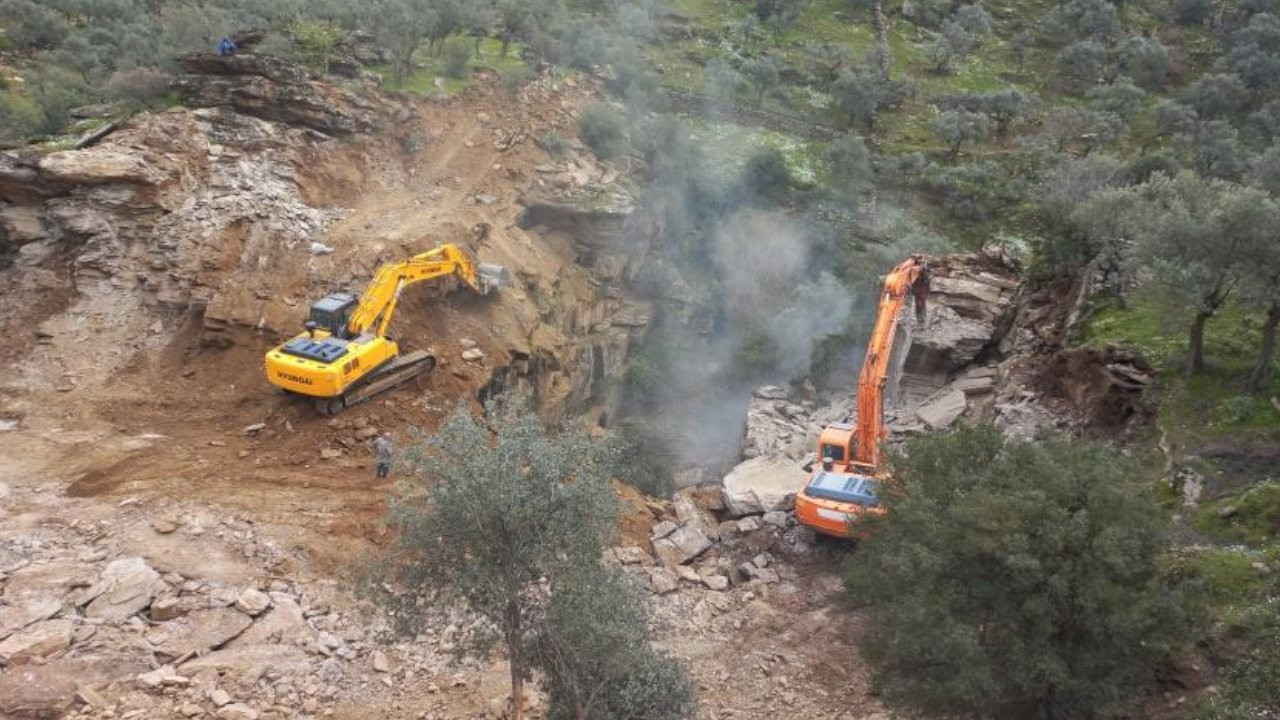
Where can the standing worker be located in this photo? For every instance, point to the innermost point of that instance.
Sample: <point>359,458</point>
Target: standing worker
<point>382,452</point>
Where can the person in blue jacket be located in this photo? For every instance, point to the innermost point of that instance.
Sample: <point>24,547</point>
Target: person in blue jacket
<point>226,46</point>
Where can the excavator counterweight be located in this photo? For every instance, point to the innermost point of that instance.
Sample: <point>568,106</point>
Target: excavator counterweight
<point>844,487</point>
<point>345,356</point>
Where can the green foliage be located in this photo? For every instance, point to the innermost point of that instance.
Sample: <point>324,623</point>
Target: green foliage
<point>1081,63</point>
<point>314,42</point>
<point>766,174</point>
<point>849,161</point>
<point>515,78</point>
<point>1146,60</point>
<point>555,145</point>
<point>858,94</point>
<point>598,658</point>
<point>457,58</point>
<point>762,73</point>
<point>642,459</point>
<point>142,86</point>
<point>955,128</point>
<point>1216,96</point>
<point>721,81</point>
<point>19,117</point>
<point>757,354</point>
<point>1195,238</point>
<point>1012,579</point>
<point>601,128</point>
<point>1120,98</point>
<point>487,517</point>
<point>1258,512</point>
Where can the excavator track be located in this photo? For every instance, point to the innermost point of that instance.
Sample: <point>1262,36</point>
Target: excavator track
<point>398,371</point>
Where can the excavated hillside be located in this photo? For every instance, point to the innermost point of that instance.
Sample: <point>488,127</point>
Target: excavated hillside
<point>173,529</point>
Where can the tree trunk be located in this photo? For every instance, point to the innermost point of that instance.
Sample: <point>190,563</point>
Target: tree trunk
<point>883,59</point>
<point>1258,378</point>
<point>515,651</point>
<point>1195,353</point>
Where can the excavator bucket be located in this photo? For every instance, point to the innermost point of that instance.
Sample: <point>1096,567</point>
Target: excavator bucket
<point>492,277</point>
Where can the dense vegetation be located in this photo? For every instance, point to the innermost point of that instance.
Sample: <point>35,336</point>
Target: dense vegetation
<point>1014,579</point>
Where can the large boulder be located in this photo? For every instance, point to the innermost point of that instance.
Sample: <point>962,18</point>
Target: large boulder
<point>48,690</point>
<point>943,411</point>
<point>124,589</point>
<point>41,640</point>
<point>284,624</point>
<point>37,592</point>
<point>199,631</point>
<point>763,484</point>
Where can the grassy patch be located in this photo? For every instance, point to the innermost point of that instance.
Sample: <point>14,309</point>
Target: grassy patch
<point>728,146</point>
<point>1211,406</point>
<point>1256,518</point>
<point>429,78</point>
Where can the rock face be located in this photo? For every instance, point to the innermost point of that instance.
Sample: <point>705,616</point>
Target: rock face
<point>778,426</point>
<point>272,89</point>
<point>763,484</point>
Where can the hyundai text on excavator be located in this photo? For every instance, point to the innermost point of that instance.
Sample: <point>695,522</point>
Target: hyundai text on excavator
<point>843,488</point>
<point>345,356</point>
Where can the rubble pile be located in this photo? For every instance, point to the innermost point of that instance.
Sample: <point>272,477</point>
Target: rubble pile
<point>89,631</point>
<point>703,543</point>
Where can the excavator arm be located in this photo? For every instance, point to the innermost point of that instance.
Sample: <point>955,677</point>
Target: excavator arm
<point>378,303</point>
<point>909,277</point>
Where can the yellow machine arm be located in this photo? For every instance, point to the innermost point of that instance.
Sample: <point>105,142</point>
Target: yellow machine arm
<point>378,303</point>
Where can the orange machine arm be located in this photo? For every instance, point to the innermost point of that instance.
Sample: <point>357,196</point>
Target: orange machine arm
<point>898,284</point>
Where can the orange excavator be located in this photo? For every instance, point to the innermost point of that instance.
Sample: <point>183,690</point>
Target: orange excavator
<point>843,487</point>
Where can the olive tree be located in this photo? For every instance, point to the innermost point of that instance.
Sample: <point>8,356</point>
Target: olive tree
<point>958,127</point>
<point>1146,60</point>
<point>1212,149</point>
<point>1121,98</point>
<point>1216,95</point>
<point>490,518</point>
<point>858,95</point>
<point>1195,237</point>
<point>850,164</point>
<point>1082,62</point>
<point>762,73</point>
<point>1253,52</point>
<point>1012,579</point>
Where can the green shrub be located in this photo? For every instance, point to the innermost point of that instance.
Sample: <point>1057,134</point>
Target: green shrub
<point>143,86</point>
<point>766,174</point>
<point>457,59</point>
<point>19,117</point>
<point>314,42</point>
<point>601,128</point>
<point>515,78</point>
<point>553,144</point>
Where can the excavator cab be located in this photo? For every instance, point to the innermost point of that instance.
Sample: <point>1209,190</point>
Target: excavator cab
<point>333,314</point>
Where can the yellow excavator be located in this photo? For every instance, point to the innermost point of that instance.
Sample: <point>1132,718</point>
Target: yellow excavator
<point>345,356</point>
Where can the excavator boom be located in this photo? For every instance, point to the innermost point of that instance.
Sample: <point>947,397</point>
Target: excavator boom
<point>875,367</point>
